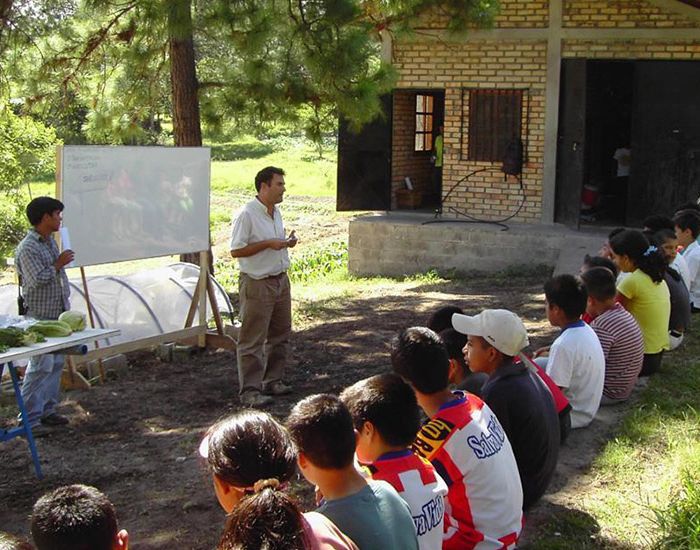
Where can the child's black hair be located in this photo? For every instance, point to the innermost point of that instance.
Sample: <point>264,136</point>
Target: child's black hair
<point>248,446</point>
<point>269,519</point>
<point>388,403</point>
<point>454,342</point>
<point>322,428</point>
<point>657,222</point>
<point>40,206</point>
<point>688,219</point>
<point>74,517</point>
<point>615,231</point>
<point>568,293</point>
<point>420,357</point>
<point>441,319</point>
<point>600,283</point>
<point>600,261</point>
<point>645,256</point>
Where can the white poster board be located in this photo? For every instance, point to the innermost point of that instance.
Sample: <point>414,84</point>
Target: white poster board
<point>129,203</point>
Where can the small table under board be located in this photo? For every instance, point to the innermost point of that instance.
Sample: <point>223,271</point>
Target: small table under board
<point>52,345</point>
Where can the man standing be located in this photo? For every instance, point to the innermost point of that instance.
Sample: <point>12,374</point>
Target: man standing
<point>45,288</point>
<point>258,241</point>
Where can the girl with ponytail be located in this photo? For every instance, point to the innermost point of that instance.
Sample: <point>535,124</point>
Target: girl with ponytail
<point>252,459</point>
<point>643,292</point>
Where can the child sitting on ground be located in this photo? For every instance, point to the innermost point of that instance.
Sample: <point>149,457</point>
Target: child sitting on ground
<point>76,516</point>
<point>460,374</point>
<point>687,227</point>
<point>370,512</point>
<point>644,293</point>
<point>576,362</point>
<point>679,321</point>
<point>385,413</point>
<point>466,444</point>
<point>652,225</point>
<point>252,458</point>
<point>618,333</point>
<point>523,404</point>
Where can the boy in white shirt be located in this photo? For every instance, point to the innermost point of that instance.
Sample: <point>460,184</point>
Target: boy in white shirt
<point>687,227</point>
<point>576,361</point>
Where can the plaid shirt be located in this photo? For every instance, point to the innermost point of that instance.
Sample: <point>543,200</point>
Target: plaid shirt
<point>44,289</point>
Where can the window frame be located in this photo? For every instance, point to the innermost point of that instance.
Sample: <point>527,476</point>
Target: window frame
<point>474,152</point>
<point>425,114</point>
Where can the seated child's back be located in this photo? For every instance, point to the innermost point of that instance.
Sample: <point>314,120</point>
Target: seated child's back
<point>618,333</point>
<point>576,361</point>
<point>468,447</point>
<point>385,413</point>
<point>371,512</point>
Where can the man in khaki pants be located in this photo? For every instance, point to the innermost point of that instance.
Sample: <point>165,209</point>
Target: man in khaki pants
<point>258,241</point>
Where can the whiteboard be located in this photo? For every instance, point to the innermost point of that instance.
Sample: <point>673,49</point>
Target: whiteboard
<point>128,203</point>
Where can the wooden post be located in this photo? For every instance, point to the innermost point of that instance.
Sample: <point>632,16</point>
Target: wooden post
<point>92,321</point>
<point>202,284</point>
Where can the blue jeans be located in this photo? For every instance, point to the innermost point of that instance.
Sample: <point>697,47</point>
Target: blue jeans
<point>41,385</point>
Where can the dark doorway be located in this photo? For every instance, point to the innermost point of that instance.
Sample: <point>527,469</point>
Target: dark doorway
<point>593,156</point>
<point>364,163</point>
<point>629,140</point>
<point>416,176</point>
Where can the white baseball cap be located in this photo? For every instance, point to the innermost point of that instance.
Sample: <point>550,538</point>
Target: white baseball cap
<point>501,328</point>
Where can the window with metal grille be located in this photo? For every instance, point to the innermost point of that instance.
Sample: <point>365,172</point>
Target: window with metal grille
<point>425,114</point>
<point>495,120</point>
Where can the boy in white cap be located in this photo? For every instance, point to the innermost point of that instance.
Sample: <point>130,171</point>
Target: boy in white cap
<point>516,394</point>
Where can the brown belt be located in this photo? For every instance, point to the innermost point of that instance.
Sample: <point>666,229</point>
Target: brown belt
<point>274,276</point>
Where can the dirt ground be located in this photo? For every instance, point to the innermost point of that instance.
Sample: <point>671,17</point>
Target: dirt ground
<point>135,438</point>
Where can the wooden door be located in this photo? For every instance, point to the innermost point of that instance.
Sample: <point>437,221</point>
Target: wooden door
<point>364,164</point>
<point>665,169</point>
<point>571,142</point>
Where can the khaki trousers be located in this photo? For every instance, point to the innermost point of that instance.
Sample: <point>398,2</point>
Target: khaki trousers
<point>266,323</point>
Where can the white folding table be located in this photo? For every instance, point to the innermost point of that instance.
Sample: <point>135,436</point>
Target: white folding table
<point>52,345</point>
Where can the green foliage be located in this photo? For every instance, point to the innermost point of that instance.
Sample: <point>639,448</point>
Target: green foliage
<point>679,523</point>
<point>27,150</point>
<point>319,262</point>
<point>247,147</point>
<point>257,61</point>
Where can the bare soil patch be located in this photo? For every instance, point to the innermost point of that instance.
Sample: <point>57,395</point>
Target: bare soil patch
<point>136,437</point>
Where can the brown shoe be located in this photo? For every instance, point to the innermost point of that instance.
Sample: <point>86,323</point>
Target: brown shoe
<point>255,399</point>
<point>277,388</point>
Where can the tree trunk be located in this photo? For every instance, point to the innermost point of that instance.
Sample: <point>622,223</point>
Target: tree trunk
<point>183,80</point>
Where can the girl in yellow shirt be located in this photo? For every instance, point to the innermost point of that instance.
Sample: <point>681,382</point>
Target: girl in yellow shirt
<point>644,292</point>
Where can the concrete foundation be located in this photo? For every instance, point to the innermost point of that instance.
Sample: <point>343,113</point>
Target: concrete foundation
<point>397,244</point>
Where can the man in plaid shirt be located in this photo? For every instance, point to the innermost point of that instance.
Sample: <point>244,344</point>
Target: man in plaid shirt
<point>45,288</point>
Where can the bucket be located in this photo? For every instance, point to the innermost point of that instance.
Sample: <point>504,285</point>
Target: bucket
<point>589,197</point>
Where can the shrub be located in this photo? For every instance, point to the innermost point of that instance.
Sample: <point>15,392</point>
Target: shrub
<point>679,524</point>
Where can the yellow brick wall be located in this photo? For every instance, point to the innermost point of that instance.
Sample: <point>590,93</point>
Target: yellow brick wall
<point>633,49</point>
<point>512,14</point>
<point>455,67</point>
<point>621,14</point>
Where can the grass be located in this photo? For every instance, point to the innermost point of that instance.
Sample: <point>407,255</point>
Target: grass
<point>645,482</point>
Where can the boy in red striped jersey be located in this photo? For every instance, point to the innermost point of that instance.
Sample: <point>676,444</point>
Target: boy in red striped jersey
<point>468,447</point>
<point>385,413</point>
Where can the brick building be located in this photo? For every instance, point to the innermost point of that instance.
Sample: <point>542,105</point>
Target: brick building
<point>571,81</point>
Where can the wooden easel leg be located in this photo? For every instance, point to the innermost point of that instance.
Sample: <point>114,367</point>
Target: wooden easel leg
<point>92,324</point>
<point>214,308</point>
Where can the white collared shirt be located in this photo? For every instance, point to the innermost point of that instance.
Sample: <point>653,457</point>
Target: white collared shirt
<point>691,255</point>
<point>251,225</point>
